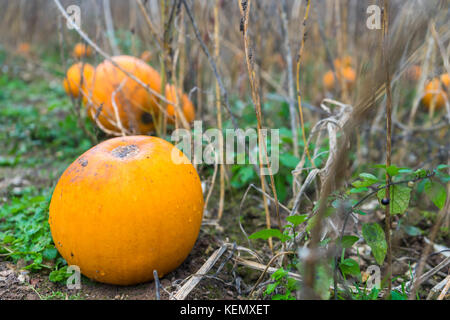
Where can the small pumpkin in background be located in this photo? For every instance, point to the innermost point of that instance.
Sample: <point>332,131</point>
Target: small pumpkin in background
<point>328,80</point>
<point>346,61</point>
<point>186,105</point>
<point>146,56</point>
<point>126,207</point>
<point>343,71</point>
<point>414,72</point>
<point>23,48</point>
<point>135,105</point>
<point>82,50</point>
<point>445,79</point>
<point>434,94</point>
<point>74,78</point>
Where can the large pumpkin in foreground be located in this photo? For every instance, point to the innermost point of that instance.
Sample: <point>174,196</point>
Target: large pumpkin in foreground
<point>125,208</point>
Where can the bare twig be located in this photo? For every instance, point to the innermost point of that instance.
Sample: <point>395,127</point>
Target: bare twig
<point>157,285</point>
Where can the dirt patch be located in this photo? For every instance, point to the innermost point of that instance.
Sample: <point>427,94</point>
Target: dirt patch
<point>17,285</point>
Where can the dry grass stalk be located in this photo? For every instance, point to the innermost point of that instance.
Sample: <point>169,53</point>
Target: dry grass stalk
<point>219,112</point>
<point>291,99</point>
<point>299,95</point>
<point>262,149</point>
<point>184,291</point>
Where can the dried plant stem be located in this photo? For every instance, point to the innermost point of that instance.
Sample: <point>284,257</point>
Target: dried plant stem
<point>245,13</point>
<point>287,48</point>
<point>219,112</point>
<point>388,142</point>
<point>299,95</point>
<point>340,50</point>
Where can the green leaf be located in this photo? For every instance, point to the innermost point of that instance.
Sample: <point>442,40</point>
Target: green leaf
<point>412,231</point>
<point>59,275</point>
<point>350,267</point>
<point>269,233</point>
<point>392,170</point>
<point>358,190</point>
<point>367,180</point>
<point>436,192</point>
<point>348,241</point>
<point>297,219</point>
<point>375,238</point>
<point>50,253</point>
<point>279,274</point>
<point>395,295</point>
<point>289,160</point>
<point>8,239</point>
<point>399,198</point>
<point>420,173</point>
<point>271,287</point>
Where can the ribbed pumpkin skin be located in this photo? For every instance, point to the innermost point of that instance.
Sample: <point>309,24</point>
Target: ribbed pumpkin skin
<point>121,213</point>
<point>134,103</point>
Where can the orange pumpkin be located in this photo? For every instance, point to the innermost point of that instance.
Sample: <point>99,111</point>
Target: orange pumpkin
<point>434,94</point>
<point>328,80</point>
<point>82,50</point>
<point>124,208</point>
<point>146,56</point>
<point>186,105</point>
<point>23,48</point>
<point>135,105</point>
<point>347,73</point>
<point>445,79</point>
<point>346,61</point>
<point>73,79</point>
<point>349,76</point>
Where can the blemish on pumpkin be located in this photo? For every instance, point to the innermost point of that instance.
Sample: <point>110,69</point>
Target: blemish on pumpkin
<point>71,254</point>
<point>146,118</point>
<point>124,152</point>
<point>83,162</point>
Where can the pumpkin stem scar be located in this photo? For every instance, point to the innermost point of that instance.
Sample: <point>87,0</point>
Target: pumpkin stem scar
<point>124,152</point>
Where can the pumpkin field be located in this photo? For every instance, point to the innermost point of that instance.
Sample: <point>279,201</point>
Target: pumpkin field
<point>224,150</point>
